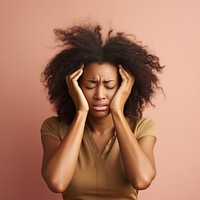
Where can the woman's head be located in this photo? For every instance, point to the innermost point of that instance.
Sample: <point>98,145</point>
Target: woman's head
<point>84,45</point>
<point>99,83</point>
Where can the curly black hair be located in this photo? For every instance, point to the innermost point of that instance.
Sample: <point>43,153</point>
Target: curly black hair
<point>83,45</point>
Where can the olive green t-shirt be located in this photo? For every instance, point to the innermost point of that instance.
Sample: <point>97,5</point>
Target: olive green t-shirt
<point>98,176</point>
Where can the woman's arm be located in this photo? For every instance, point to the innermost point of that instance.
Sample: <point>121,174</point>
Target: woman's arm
<point>137,155</point>
<point>60,158</point>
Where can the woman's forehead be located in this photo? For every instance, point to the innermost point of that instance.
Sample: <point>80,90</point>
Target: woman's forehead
<point>104,70</point>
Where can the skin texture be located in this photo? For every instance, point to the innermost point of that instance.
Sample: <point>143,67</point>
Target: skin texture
<point>99,95</point>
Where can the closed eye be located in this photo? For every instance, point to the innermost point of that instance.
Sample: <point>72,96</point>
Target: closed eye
<point>109,85</point>
<point>91,84</point>
<point>89,88</point>
<point>92,87</point>
<point>110,88</point>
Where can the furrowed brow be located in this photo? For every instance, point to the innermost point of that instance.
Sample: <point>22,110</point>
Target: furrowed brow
<point>108,81</point>
<point>92,81</point>
<point>95,81</point>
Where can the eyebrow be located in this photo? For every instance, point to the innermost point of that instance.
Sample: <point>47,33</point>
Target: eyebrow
<point>95,81</point>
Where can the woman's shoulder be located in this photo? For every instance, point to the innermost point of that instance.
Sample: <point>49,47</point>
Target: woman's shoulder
<point>145,121</point>
<point>51,120</point>
<point>54,126</point>
<point>143,126</point>
<point>50,123</point>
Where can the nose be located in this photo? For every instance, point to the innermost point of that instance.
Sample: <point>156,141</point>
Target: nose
<point>99,93</point>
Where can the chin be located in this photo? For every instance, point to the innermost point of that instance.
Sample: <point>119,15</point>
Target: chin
<point>99,115</point>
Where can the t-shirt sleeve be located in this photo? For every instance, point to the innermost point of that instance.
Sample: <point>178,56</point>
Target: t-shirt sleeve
<point>50,127</point>
<point>145,127</point>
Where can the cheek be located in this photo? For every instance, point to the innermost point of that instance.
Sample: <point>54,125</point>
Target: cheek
<point>112,94</point>
<point>87,95</point>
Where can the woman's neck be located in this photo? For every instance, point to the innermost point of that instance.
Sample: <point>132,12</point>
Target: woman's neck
<point>100,126</point>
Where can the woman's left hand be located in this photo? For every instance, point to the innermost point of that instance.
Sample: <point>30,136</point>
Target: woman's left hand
<point>121,96</point>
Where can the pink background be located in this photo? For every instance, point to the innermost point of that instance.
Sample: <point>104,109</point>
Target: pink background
<point>172,30</point>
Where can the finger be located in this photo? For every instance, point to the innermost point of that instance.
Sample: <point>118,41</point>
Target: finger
<point>77,72</point>
<point>122,74</point>
<point>125,72</point>
<point>127,79</point>
<point>75,75</point>
<point>128,76</point>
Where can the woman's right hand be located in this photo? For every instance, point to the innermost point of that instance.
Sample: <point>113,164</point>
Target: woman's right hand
<point>75,91</point>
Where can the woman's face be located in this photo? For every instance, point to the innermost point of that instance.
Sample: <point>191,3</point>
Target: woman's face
<point>99,84</point>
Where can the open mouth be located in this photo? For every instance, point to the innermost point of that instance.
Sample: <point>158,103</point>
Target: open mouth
<point>100,107</point>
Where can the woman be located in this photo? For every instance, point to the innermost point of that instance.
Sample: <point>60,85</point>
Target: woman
<point>99,146</point>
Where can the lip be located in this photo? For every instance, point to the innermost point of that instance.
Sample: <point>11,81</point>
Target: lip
<point>100,107</point>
